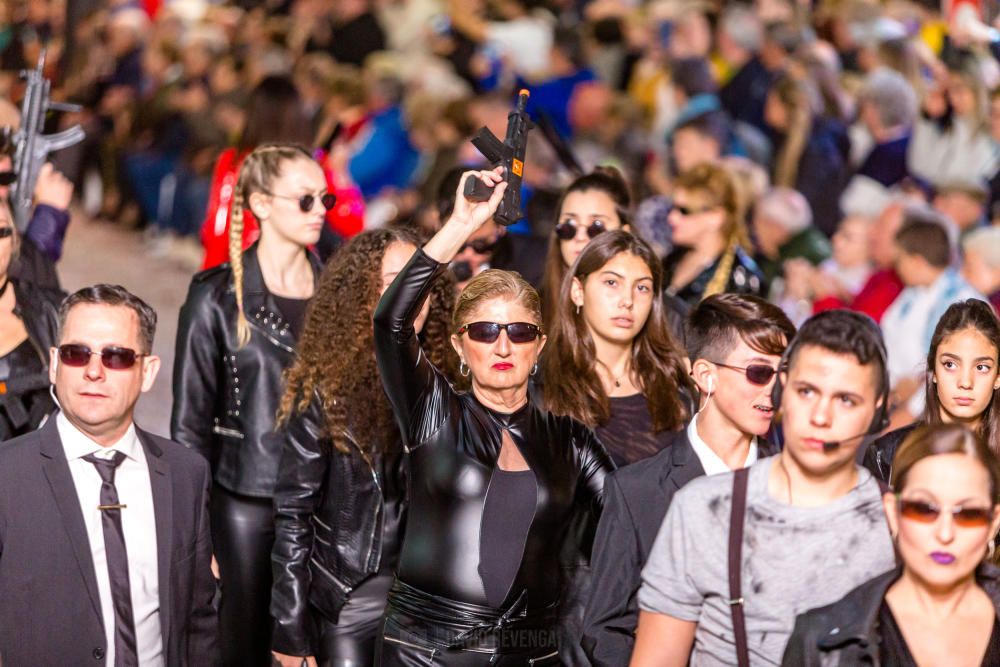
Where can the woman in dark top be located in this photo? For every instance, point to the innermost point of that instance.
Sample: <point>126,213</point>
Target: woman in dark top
<point>940,607</point>
<point>963,375</point>
<point>495,482</point>
<point>340,496</point>
<point>710,238</point>
<point>29,325</point>
<point>234,341</point>
<point>611,362</point>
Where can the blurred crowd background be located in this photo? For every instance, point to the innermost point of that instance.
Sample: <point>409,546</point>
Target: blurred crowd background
<point>836,119</point>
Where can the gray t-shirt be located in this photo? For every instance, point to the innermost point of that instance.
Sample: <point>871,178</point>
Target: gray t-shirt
<point>794,559</point>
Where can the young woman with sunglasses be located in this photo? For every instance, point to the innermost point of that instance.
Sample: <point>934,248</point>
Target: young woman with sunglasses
<point>495,482</point>
<point>963,376</point>
<point>612,363</point>
<point>340,496</point>
<point>594,203</point>
<point>236,335</point>
<point>710,237</point>
<point>29,324</point>
<point>940,606</point>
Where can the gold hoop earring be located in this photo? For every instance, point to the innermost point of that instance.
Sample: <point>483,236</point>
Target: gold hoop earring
<point>991,548</point>
<point>534,369</point>
<point>463,369</point>
<point>578,309</point>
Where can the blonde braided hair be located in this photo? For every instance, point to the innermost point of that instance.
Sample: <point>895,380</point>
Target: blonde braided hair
<point>257,173</point>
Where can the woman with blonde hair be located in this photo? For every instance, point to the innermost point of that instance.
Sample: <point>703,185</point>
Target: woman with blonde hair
<point>236,335</point>
<point>710,237</point>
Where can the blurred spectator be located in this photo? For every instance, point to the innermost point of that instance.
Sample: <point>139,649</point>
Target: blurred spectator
<point>739,38</point>
<point>783,229</point>
<point>551,96</point>
<point>981,262</point>
<point>963,203</point>
<point>522,38</point>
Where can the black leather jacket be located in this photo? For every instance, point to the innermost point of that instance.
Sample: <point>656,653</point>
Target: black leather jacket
<point>330,523</point>
<point>879,455</point>
<point>745,277</point>
<point>846,633</point>
<point>454,442</point>
<point>225,397</point>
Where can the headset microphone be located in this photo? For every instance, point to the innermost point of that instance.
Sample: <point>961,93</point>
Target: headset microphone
<point>831,445</point>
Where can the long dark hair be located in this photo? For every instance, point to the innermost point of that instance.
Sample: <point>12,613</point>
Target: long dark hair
<point>572,386</point>
<point>275,113</point>
<point>336,355</point>
<point>603,179</point>
<point>969,314</point>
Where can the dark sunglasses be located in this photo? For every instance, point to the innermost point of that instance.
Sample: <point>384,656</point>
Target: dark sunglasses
<point>567,230</point>
<point>6,232</point>
<point>306,201</point>
<point>479,246</point>
<point>758,374</point>
<point>113,358</point>
<point>7,177</point>
<point>687,211</point>
<point>487,332</point>
<point>925,512</point>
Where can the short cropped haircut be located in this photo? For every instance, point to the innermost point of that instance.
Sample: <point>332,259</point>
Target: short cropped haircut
<point>113,295</point>
<point>844,332</point>
<point>925,238</point>
<point>719,322</point>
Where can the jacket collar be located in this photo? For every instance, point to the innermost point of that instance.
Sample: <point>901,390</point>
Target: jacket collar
<point>259,305</point>
<point>684,464</point>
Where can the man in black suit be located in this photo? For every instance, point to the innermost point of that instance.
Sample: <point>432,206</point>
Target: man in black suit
<point>104,539</point>
<point>734,343</point>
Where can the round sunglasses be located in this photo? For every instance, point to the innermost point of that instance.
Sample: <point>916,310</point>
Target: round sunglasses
<point>758,374</point>
<point>924,512</point>
<point>566,230</point>
<point>487,332</point>
<point>479,246</point>
<point>306,202</point>
<point>112,357</point>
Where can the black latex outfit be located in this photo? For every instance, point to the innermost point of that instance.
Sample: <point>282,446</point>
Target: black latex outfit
<point>438,611</point>
<point>338,527</point>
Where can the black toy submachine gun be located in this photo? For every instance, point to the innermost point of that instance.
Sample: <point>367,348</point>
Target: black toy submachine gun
<point>508,153</point>
<point>31,147</point>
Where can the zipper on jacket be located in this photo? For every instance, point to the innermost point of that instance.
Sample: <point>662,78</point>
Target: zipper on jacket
<point>341,585</point>
<point>231,432</point>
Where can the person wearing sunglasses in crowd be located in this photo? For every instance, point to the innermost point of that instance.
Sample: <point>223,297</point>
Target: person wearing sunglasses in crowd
<point>592,204</point>
<point>340,496</point>
<point>236,335</point>
<point>28,328</point>
<point>940,606</point>
<point>735,345</point>
<point>962,379</point>
<point>710,238</point>
<point>495,482</point>
<point>798,517</point>
<point>491,247</point>
<point>105,552</point>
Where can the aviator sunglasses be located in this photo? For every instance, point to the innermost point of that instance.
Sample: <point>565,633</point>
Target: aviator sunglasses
<point>113,358</point>
<point>925,512</point>
<point>758,374</point>
<point>487,332</point>
<point>567,230</point>
<point>306,201</point>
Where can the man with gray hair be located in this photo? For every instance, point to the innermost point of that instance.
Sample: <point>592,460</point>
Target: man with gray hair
<point>887,109</point>
<point>103,526</point>
<point>739,38</point>
<point>782,225</point>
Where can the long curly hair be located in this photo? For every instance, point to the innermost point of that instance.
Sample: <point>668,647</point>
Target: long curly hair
<point>569,365</point>
<point>335,363</point>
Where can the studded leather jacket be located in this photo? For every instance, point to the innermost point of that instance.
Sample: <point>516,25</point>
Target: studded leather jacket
<point>453,442</point>
<point>225,397</point>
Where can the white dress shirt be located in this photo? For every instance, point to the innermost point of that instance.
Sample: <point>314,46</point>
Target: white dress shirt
<point>710,461</point>
<point>139,526</point>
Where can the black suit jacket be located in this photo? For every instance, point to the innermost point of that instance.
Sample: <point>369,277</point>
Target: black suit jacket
<point>50,609</point>
<point>636,500</point>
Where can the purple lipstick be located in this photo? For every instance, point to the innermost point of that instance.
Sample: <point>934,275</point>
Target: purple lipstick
<point>942,558</point>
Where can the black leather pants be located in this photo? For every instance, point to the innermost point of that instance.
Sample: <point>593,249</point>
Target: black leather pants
<point>242,535</point>
<point>351,642</point>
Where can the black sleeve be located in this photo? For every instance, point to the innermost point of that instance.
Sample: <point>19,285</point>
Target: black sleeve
<point>305,460</point>
<point>616,565</point>
<point>203,638</point>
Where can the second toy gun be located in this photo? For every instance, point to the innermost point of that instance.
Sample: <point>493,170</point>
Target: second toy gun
<point>509,154</point>
<point>32,147</point>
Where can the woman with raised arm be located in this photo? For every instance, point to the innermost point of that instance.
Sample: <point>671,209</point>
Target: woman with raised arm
<point>339,502</point>
<point>236,335</point>
<point>940,606</point>
<point>963,375</point>
<point>495,482</point>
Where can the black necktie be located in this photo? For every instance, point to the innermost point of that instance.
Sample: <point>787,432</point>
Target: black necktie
<point>114,547</point>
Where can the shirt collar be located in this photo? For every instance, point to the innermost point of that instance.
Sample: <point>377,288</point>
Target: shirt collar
<point>710,461</point>
<point>77,445</point>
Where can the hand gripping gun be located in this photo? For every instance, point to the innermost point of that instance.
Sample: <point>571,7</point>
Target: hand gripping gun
<point>31,147</point>
<point>510,154</point>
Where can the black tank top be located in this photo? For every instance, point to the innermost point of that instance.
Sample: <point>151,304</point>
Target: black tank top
<point>894,651</point>
<point>507,514</point>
